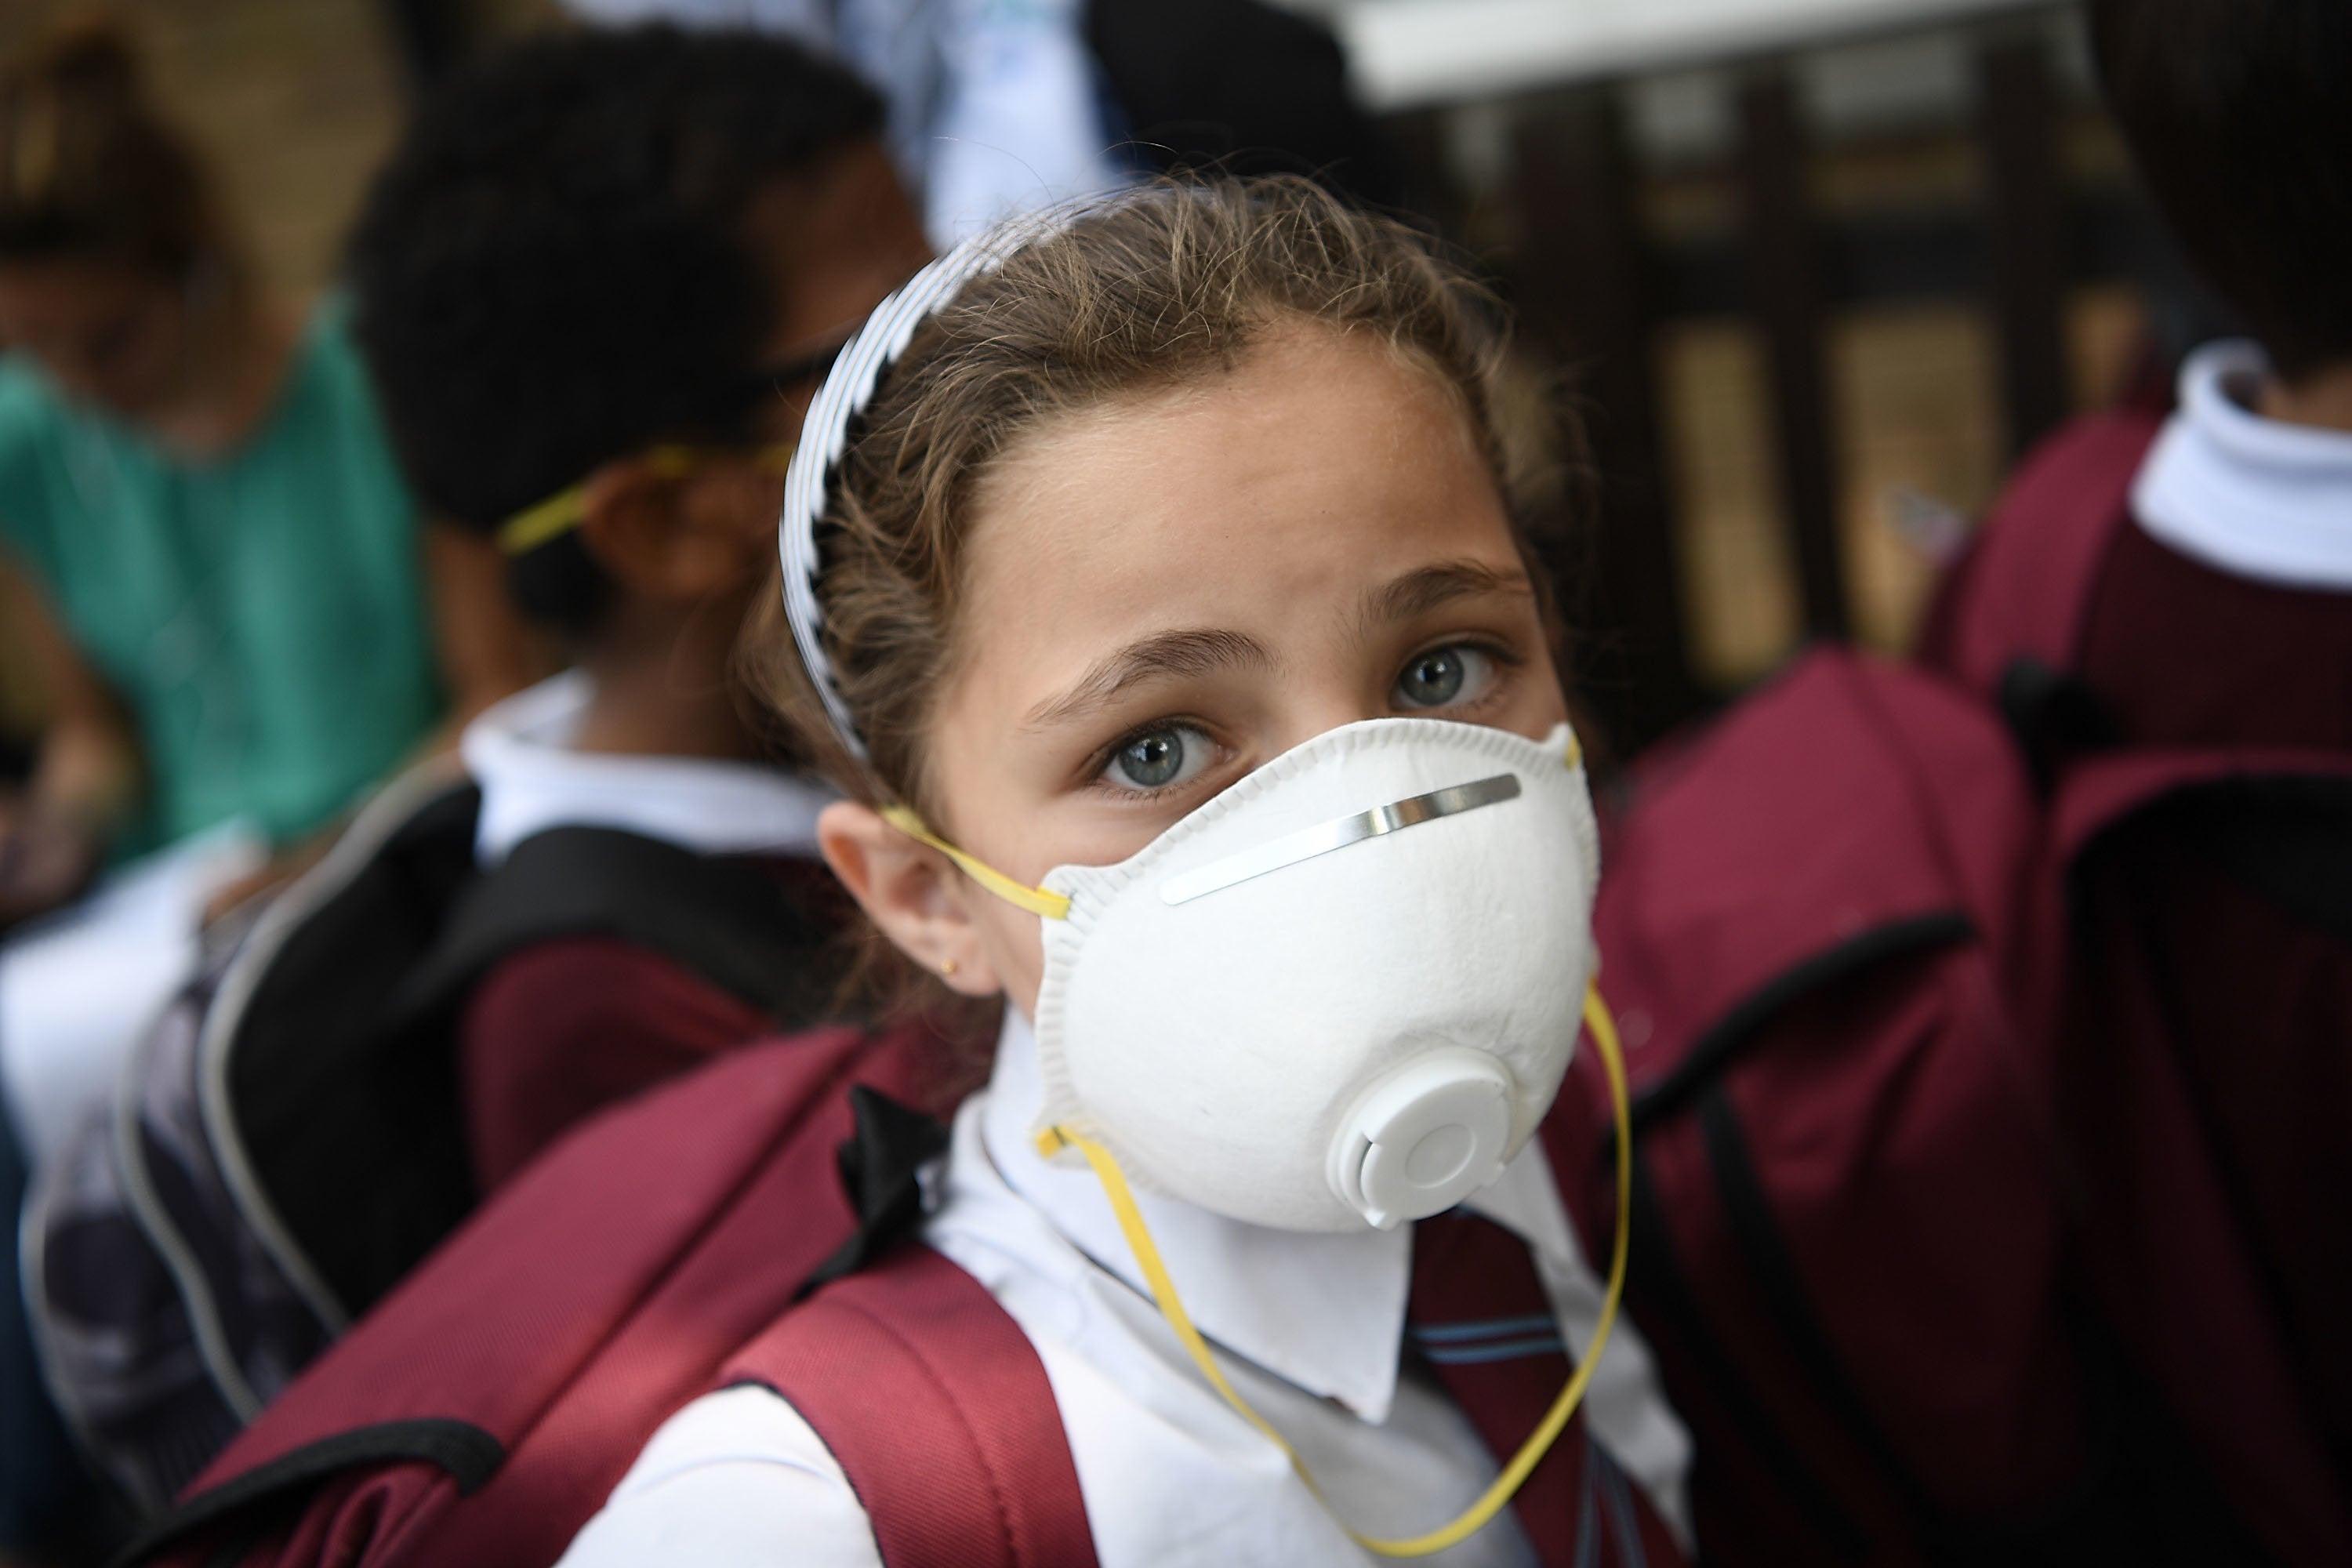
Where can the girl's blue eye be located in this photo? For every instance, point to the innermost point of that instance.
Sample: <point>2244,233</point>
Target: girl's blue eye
<point>1160,759</point>
<point>1445,676</point>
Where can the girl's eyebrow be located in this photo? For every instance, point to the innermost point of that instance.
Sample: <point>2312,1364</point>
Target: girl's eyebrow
<point>1177,653</point>
<point>1426,588</point>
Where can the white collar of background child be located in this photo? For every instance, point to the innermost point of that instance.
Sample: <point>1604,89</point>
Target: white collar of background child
<point>520,753</point>
<point>2253,497</point>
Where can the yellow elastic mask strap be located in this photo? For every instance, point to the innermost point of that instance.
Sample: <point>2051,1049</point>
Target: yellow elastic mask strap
<point>527,530</point>
<point>1020,895</point>
<point>560,513</point>
<point>1603,1028</point>
<point>677,462</point>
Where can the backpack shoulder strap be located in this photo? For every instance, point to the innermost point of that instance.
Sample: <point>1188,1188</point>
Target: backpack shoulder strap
<point>1852,812</point>
<point>2100,792</point>
<point>523,1364</point>
<point>277,1022</point>
<point>2025,589</point>
<point>936,1406</point>
<point>2279,820</point>
<point>735,924</point>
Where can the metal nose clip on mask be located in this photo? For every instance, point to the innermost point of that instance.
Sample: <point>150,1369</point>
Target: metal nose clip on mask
<point>1343,992</point>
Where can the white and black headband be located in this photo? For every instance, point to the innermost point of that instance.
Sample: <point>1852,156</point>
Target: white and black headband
<point>825,434</point>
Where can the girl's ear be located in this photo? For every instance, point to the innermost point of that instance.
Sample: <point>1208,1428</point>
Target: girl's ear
<point>911,891</point>
<point>668,536</point>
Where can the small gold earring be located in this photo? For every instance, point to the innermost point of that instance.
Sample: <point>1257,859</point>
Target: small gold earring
<point>949,967</point>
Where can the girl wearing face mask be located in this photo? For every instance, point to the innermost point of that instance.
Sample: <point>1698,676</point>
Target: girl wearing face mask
<point>1153,591</point>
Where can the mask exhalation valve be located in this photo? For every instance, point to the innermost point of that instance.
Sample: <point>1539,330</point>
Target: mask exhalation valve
<point>1424,1138</point>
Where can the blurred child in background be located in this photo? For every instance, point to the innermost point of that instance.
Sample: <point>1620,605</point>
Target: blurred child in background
<point>213,570</point>
<point>597,284</point>
<point>207,552</point>
<point>2214,548</point>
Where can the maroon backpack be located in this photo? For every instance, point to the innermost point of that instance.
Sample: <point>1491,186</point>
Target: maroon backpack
<point>2208,1119</point>
<point>289,1140</point>
<point>1850,1242</point>
<point>1836,948</point>
<point>483,1412</point>
<point>486,1408</point>
<point>1937,1271</point>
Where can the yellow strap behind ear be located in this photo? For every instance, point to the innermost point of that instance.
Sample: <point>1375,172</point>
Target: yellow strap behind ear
<point>675,462</point>
<point>1496,1496</point>
<point>1020,895</point>
<point>528,530</point>
<point>533,526</point>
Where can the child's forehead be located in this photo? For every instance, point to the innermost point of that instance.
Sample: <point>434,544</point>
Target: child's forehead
<point>1293,482</point>
<point>1306,416</point>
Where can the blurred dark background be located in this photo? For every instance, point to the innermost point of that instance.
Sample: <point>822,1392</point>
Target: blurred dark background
<point>1813,270</point>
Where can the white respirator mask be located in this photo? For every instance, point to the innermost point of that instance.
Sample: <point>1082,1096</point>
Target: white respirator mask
<point>1342,993</point>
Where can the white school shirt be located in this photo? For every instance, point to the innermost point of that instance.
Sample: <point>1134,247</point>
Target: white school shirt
<point>522,753</point>
<point>1308,1326</point>
<point>2253,497</point>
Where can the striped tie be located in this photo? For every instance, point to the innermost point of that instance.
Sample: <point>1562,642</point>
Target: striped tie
<point>1479,1316</point>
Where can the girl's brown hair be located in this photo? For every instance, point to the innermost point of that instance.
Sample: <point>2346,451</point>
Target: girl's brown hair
<point>89,168</point>
<point>1166,283</point>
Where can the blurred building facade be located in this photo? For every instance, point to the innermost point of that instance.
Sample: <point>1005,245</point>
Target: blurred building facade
<point>1815,268</point>
<point>1819,269</point>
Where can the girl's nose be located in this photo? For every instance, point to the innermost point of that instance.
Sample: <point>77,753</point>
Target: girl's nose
<point>1310,713</point>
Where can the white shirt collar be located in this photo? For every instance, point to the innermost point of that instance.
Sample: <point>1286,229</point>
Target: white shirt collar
<point>520,753</point>
<point>2253,497</point>
<point>1323,1311</point>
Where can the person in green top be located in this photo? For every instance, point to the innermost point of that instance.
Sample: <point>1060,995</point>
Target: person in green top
<point>256,609</point>
<point>205,541</point>
<point>208,561</point>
